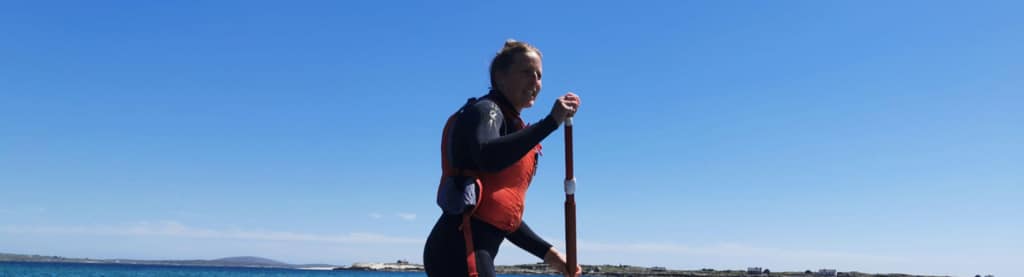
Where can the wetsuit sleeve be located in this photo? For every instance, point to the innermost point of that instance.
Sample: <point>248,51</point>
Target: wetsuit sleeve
<point>526,239</point>
<point>491,150</point>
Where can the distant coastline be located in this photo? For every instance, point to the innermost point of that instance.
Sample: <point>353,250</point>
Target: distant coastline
<point>405,266</point>
<point>243,261</point>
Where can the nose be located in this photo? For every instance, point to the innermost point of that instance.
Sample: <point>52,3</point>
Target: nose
<point>536,80</point>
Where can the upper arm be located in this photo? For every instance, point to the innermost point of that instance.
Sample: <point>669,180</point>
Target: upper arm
<point>488,141</point>
<point>483,121</point>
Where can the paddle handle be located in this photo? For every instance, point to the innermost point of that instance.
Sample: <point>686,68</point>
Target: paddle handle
<point>570,179</point>
<point>570,204</point>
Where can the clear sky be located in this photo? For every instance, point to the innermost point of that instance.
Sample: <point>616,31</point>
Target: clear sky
<point>877,136</point>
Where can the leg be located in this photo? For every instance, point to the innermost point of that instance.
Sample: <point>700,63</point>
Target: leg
<point>485,263</point>
<point>444,254</point>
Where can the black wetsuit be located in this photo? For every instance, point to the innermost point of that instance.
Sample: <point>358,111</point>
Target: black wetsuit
<point>486,140</point>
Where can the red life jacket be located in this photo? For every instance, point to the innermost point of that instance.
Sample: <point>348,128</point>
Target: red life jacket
<point>502,194</point>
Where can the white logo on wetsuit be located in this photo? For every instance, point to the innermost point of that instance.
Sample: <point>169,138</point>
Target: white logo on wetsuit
<point>494,117</point>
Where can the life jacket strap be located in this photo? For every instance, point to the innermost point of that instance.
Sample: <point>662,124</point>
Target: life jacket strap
<point>467,234</point>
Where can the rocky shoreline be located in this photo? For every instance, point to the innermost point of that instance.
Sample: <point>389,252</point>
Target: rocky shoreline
<point>405,266</point>
<point>633,271</point>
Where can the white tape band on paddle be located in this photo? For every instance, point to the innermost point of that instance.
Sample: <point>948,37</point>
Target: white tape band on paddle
<point>568,122</point>
<point>570,186</point>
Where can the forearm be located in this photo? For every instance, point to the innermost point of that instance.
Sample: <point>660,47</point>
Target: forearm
<point>525,238</point>
<point>498,152</point>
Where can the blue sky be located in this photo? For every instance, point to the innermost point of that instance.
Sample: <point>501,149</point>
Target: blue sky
<point>870,136</point>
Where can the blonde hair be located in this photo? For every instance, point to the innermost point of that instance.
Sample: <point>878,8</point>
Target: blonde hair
<point>506,57</point>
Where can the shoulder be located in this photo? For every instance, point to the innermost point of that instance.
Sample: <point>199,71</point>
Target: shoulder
<point>484,108</point>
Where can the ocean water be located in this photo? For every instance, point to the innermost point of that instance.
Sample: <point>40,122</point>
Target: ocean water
<point>112,270</point>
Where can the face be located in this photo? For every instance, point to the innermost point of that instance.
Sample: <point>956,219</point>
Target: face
<point>521,82</point>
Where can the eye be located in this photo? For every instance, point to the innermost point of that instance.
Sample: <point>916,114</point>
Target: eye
<point>531,72</point>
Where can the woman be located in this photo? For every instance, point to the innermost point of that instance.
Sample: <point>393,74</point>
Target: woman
<point>487,147</point>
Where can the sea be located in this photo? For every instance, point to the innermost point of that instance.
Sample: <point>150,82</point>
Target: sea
<point>111,270</point>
